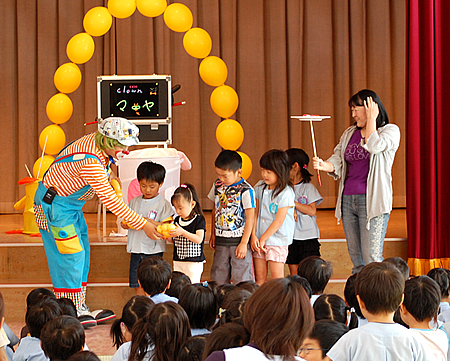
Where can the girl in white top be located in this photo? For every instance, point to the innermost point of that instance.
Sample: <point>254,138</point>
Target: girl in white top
<point>420,307</point>
<point>307,198</point>
<point>274,227</point>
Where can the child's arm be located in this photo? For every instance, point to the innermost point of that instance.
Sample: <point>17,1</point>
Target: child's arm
<point>196,237</point>
<point>254,241</point>
<point>212,238</point>
<point>309,209</point>
<point>276,224</point>
<point>241,249</point>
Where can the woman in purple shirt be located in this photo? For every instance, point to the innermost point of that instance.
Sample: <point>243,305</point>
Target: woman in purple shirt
<point>363,162</point>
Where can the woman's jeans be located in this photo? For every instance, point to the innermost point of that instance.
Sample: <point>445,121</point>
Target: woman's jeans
<point>364,245</point>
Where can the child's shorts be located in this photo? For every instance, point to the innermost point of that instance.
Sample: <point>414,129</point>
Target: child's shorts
<point>274,254</point>
<point>300,249</point>
<point>193,270</point>
<point>135,261</point>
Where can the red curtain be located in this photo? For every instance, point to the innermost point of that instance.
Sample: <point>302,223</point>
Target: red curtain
<point>427,141</point>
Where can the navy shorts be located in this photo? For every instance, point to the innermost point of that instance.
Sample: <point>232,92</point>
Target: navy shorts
<point>299,250</point>
<point>135,261</point>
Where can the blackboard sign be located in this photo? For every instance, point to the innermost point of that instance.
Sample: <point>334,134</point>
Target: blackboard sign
<point>137,98</point>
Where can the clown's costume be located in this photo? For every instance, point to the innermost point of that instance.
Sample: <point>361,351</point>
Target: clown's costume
<point>78,172</point>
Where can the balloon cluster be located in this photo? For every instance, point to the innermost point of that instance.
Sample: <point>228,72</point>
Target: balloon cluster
<point>197,43</point>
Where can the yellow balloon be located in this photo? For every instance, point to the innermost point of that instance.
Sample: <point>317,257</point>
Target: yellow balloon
<point>213,71</point>
<point>59,108</point>
<point>97,21</point>
<point>56,139</point>
<point>47,160</point>
<point>197,43</point>
<point>229,134</point>
<point>67,78</point>
<point>80,48</point>
<point>246,165</point>
<point>178,17</point>
<point>224,101</point>
<point>122,8</point>
<point>151,8</point>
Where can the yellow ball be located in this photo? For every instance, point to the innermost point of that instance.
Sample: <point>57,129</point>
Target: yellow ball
<point>224,101</point>
<point>151,8</point>
<point>97,21</point>
<point>197,43</point>
<point>122,8</point>
<point>67,78</point>
<point>178,17</point>
<point>229,134</point>
<point>47,160</point>
<point>246,165</point>
<point>56,139</point>
<point>213,71</point>
<point>59,108</point>
<point>80,48</point>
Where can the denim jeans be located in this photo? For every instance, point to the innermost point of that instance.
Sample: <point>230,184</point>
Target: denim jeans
<point>364,245</point>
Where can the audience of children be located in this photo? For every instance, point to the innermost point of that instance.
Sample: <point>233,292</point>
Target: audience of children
<point>189,236</point>
<point>307,198</point>
<point>332,307</point>
<point>193,349</point>
<point>317,272</point>
<point>227,336</point>
<point>153,207</point>
<point>274,227</point>
<point>233,216</point>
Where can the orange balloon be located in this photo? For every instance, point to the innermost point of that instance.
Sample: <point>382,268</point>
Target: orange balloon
<point>59,108</point>
<point>97,21</point>
<point>47,160</point>
<point>224,101</point>
<point>197,43</point>
<point>229,134</point>
<point>246,165</point>
<point>213,71</point>
<point>151,8</point>
<point>67,78</point>
<point>80,48</point>
<point>122,8</point>
<point>53,138</point>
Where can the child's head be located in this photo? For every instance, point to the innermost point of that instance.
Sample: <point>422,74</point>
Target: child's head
<point>67,307</point>
<point>151,177</point>
<point>200,304</point>
<point>62,337</point>
<point>303,282</point>
<point>227,336</point>
<point>192,349</point>
<point>279,317</point>
<point>39,313</point>
<point>317,271</point>
<point>350,295</point>
<point>179,280</point>
<point>324,335</point>
<point>154,275</point>
<point>167,326</point>
<point>136,308</point>
<point>275,170</point>
<point>298,161</point>
<point>185,201</point>
<point>331,307</point>
<point>441,277</point>
<point>422,298</point>
<point>400,264</point>
<point>39,292</point>
<point>228,167</point>
<point>250,286</point>
<point>380,287</point>
<point>84,356</point>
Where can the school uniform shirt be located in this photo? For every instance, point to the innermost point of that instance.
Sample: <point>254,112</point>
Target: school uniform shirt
<point>248,352</point>
<point>379,341</point>
<point>123,353</point>
<point>185,250</point>
<point>157,209</point>
<point>267,212</point>
<point>306,225</point>
<point>162,297</point>
<point>436,340</point>
<point>30,350</point>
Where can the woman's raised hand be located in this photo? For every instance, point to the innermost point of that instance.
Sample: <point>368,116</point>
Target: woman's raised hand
<point>371,108</point>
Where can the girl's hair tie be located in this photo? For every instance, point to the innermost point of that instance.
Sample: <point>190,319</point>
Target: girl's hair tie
<point>183,186</point>
<point>205,283</point>
<point>305,167</point>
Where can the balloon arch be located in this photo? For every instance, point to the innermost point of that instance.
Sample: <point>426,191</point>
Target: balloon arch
<point>197,43</point>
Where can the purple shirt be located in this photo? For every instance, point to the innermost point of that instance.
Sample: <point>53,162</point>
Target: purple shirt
<point>358,160</point>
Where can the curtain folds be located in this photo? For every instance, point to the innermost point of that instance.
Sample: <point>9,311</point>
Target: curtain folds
<point>427,146</point>
<point>284,57</point>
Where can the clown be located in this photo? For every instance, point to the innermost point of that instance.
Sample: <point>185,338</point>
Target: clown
<point>79,171</point>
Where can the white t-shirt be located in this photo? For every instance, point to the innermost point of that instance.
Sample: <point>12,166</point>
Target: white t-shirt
<point>436,340</point>
<point>379,341</point>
